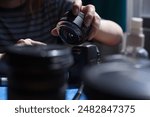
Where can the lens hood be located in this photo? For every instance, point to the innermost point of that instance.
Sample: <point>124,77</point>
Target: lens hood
<point>38,72</point>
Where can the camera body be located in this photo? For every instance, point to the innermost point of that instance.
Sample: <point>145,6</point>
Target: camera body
<point>71,29</point>
<point>84,55</point>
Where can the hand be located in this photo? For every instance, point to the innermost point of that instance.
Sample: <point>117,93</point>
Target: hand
<point>23,42</point>
<point>91,18</point>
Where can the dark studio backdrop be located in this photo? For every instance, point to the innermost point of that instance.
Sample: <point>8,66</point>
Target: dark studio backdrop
<point>114,10</point>
<point>111,9</point>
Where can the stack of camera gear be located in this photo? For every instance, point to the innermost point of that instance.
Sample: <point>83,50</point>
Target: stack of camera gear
<point>38,72</point>
<point>73,32</point>
<point>119,78</point>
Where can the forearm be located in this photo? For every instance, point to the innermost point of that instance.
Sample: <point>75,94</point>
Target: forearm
<point>109,33</point>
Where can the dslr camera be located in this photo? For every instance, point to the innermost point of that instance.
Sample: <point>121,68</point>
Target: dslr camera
<point>72,31</point>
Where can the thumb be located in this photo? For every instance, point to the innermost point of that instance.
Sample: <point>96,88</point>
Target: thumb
<point>54,32</point>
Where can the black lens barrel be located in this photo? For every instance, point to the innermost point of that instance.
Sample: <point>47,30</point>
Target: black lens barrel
<point>71,28</point>
<point>38,72</point>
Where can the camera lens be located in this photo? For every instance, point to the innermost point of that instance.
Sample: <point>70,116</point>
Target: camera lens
<point>38,72</point>
<point>113,82</point>
<point>71,29</point>
<point>69,36</point>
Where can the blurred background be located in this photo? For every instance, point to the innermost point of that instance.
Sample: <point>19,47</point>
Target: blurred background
<point>121,11</point>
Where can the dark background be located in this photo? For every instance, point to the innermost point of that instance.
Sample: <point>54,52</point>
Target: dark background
<point>114,10</point>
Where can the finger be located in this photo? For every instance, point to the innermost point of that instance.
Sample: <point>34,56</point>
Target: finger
<point>54,32</point>
<point>32,42</point>
<point>27,41</point>
<point>38,43</point>
<point>92,33</point>
<point>89,12</point>
<point>76,6</point>
<point>95,26</point>
<point>22,42</point>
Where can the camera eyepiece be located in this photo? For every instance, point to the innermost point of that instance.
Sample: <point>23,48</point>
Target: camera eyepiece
<point>71,28</point>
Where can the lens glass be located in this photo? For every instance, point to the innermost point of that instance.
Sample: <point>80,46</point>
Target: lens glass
<point>69,36</point>
<point>71,28</point>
